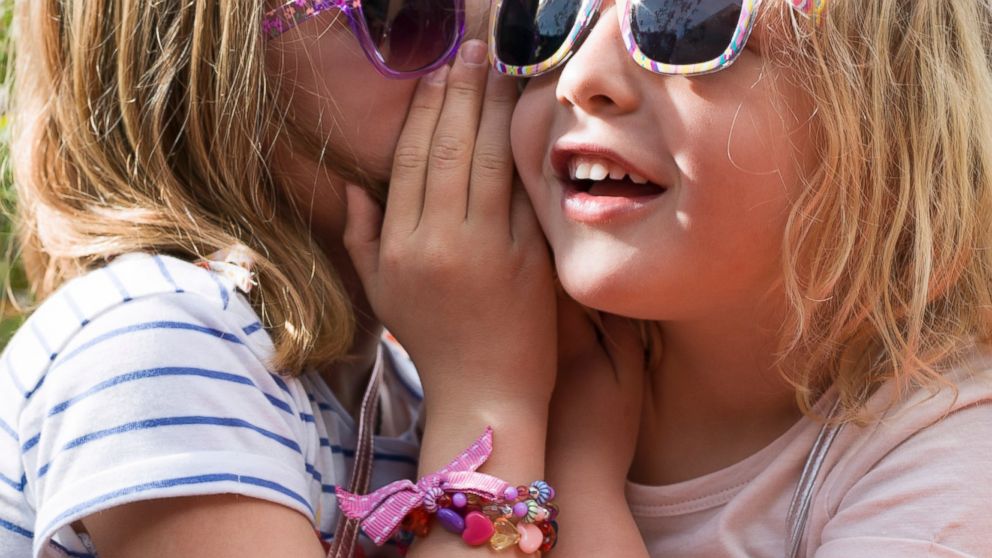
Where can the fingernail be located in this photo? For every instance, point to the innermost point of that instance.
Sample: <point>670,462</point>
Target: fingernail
<point>439,75</point>
<point>474,52</point>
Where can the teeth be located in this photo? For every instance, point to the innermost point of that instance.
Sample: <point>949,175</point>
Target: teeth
<point>586,168</point>
<point>598,172</point>
<point>582,171</point>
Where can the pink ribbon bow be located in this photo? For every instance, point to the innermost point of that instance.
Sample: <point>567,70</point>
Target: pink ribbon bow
<point>382,511</point>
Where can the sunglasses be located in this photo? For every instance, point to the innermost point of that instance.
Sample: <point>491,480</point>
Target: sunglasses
<point>669,37</point>
<point>403,39</point>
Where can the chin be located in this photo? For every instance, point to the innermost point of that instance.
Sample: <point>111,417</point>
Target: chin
<point>601,287</point>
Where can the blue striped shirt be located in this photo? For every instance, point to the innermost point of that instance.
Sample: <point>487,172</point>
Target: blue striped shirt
<point>148,379</point>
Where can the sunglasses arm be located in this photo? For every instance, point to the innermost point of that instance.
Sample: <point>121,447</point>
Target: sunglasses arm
<point>811,8</point>
<point>279,20</point>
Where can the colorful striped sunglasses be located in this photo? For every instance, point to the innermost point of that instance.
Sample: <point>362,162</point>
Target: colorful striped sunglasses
<point>403,39</point>
<point>670,37</point>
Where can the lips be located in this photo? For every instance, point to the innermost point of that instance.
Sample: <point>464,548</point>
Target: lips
<point>599,185</point>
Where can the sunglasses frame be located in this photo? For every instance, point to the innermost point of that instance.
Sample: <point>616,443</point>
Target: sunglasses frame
<point>588,11</point>
<point>295,12</point>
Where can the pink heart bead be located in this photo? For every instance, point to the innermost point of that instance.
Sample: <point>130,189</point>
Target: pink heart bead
<point>531,537</point>
<point>478,529</point>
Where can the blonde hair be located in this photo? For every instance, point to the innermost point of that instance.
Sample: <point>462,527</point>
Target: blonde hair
<point>147,126</point>
<point>888,251</point>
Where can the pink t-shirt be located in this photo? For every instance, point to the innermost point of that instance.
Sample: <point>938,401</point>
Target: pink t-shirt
<point>916,483</point>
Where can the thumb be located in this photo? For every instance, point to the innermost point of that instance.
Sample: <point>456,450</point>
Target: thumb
<point>362,232</point>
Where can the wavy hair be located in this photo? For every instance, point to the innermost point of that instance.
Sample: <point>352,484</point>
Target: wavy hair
<point>147,125</point>
<point>888,250</point>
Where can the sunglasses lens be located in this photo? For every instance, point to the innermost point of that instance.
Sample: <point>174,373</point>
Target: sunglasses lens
<point>411,34</point>
<point>531,31</point>
<point>685,32</point>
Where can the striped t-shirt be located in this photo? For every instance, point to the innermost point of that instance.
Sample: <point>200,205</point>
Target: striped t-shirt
<point>147,379</point>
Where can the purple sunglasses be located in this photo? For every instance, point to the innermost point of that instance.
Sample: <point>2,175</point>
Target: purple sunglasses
<point>403,39</point>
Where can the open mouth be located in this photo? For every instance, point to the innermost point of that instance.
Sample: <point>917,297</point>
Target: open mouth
<point>601,177</point>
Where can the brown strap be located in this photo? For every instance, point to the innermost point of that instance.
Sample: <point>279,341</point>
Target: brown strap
<point>346,534</point>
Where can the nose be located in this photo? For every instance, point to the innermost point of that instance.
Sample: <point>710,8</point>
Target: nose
<point>598,78</point>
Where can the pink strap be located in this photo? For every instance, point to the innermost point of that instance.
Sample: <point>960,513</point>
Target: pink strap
<point>381,512</point>
<point>346,534</point>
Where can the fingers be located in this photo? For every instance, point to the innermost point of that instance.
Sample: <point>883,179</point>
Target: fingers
<point>492,165</point>
<point>625,346</point>
<point>362,232</point>
<point>449,168</point>
<point>413,149</point>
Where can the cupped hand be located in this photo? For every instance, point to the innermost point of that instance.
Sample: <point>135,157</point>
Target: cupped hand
<point>592,435</point>
<point>596,407</point>
<point>457,267</point>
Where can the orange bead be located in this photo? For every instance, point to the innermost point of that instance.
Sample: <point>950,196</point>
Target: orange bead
<point>418,522</point>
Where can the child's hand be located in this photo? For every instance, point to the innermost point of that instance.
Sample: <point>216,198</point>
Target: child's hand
<point>596,408</point>
<point>457,268</point>
<point>595,413</point>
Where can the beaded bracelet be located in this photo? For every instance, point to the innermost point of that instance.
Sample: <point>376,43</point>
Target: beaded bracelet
<point>478,507</point>
<point>524,516</point>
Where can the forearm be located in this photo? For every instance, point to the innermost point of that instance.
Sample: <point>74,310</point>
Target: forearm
<point>520,431</point>
<point>590,494</point>
<point>583,504</point>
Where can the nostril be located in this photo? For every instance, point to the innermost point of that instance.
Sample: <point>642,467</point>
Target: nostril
<point>601,100</point>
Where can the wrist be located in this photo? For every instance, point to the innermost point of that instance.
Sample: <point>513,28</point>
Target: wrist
<point>519,437</point>
<point>478,401</point>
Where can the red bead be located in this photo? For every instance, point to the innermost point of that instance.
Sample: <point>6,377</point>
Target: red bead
<point>550,531</point>
<point>418,522</point>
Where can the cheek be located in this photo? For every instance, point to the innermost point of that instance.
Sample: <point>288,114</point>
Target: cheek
<point>335,92</point>
<point>531,133</point>
<point>369,112</point>
<point>741,160</point>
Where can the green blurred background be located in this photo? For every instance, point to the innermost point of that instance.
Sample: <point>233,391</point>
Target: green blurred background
<point>15,292</point>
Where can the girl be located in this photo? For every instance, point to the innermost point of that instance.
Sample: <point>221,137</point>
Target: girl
<point>154,407</point>
<point>800,202</point>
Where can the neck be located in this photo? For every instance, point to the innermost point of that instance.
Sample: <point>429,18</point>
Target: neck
<point>717,397</point>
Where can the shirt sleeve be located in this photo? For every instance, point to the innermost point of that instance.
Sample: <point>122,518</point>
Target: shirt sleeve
<point>160,397</point>
<point>929,496</point>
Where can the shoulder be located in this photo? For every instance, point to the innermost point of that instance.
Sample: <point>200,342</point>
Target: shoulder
<point>136,293</point>
<point>965,395</point>
<point>142,316</point>
<point>917,476</point>
<point>145,379</point>
<point>954,416</point>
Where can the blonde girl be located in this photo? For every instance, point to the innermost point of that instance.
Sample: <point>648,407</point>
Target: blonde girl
<point>806,220</point>
<point>192,383</point>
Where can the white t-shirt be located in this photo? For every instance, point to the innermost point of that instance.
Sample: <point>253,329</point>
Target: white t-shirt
<point>918,482</point>
<point>147,379</point>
